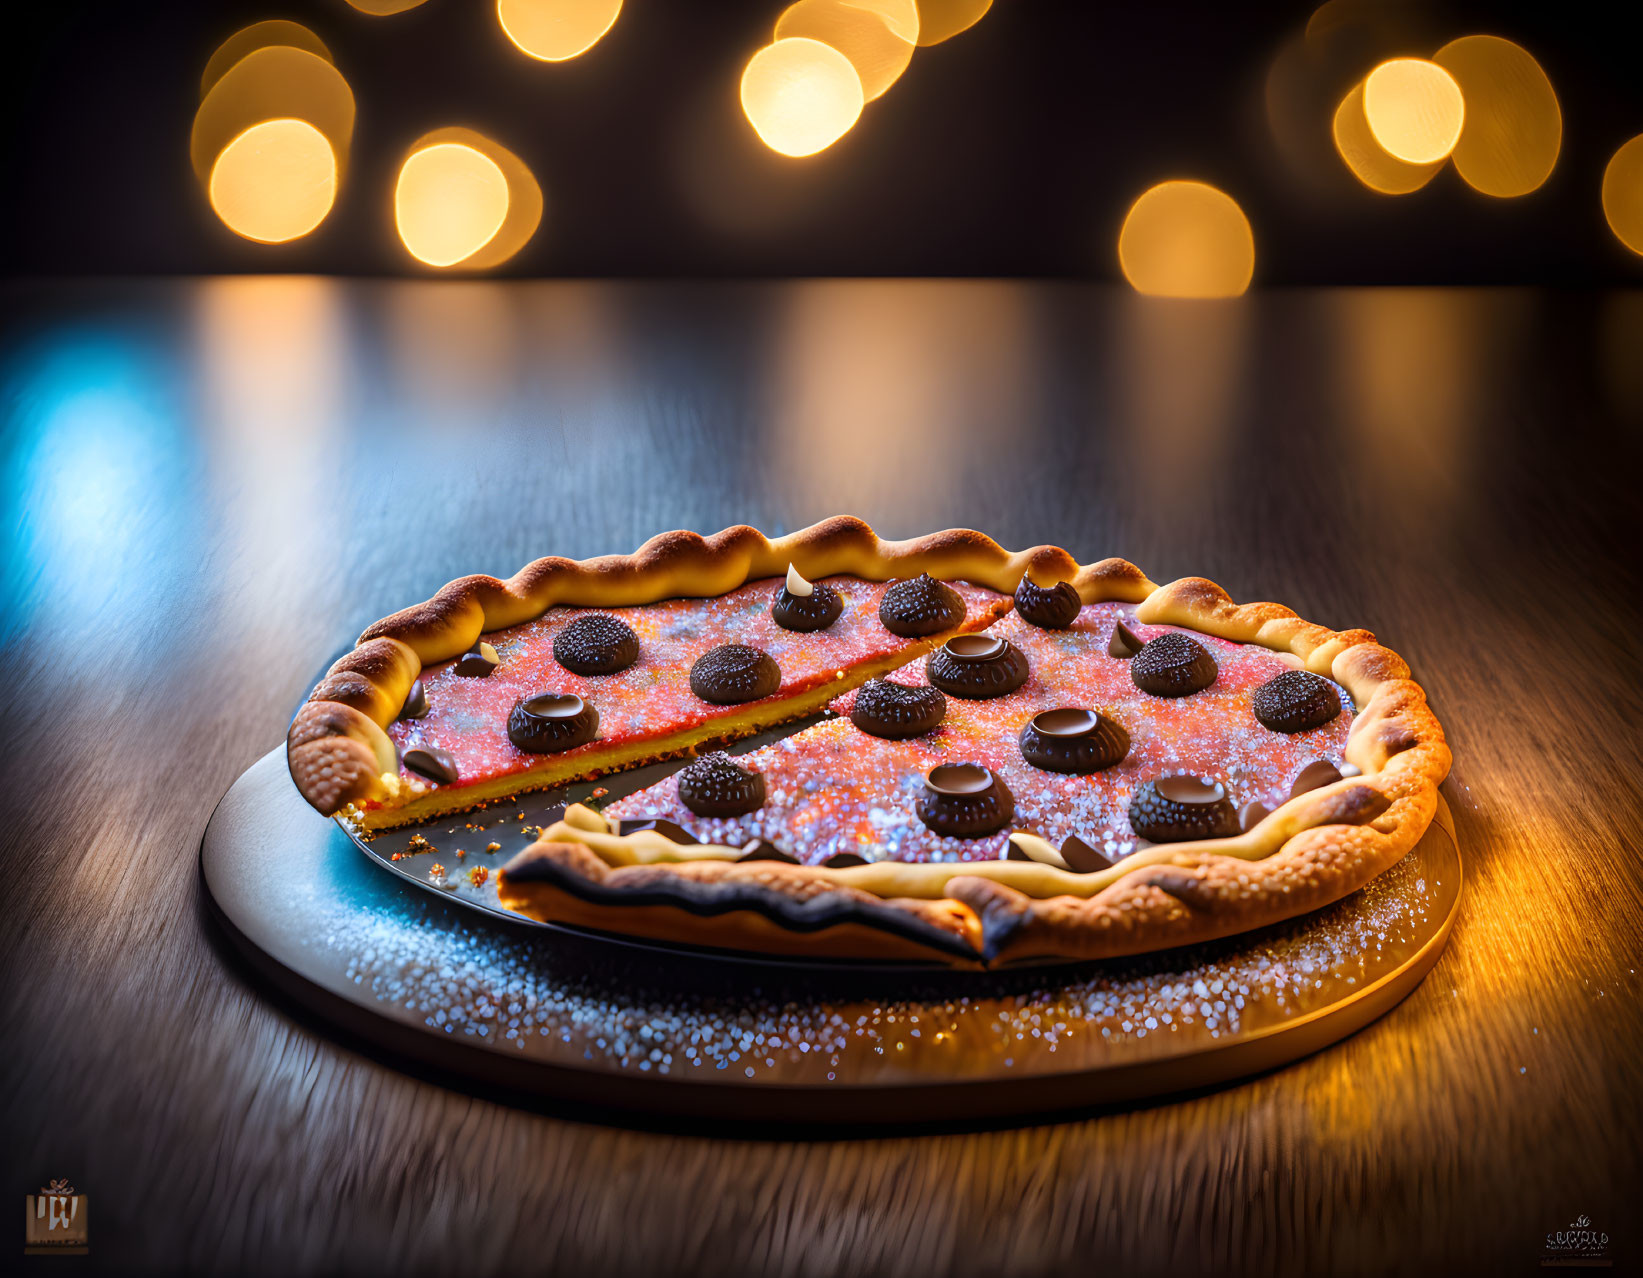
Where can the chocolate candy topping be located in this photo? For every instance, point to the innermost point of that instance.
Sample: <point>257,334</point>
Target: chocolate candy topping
<point>435,764</point>
<point>667,829</point>
<point>733,673</point>
<point>596,643</point>
<point>1047,607</point>
<point>977,667</point>
<point>1252,814</point>
<point>765,850</point>
<point>715,785</point>
<point>551,721</point>
<point>844,861</point>
<point>1072,739</point>
<point>1176,809</point>
<point>1316,775</point>
<point>1125,642</point>
<point>1081,858</point>
<point>964,801</point>
<point>921,606</point>
<point>478,661</point>
<point>1172,665</point>
<point>895,711</point>
<point>416,703</point>
<point>1295,701</point>
<point>804,613</point>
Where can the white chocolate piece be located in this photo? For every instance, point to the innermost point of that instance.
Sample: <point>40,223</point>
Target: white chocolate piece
<point>797,586</point>
<point>1037,849</point>
<point>488,652</point>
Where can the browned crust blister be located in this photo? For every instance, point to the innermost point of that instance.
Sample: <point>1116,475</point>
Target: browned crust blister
<point>1315,849</point>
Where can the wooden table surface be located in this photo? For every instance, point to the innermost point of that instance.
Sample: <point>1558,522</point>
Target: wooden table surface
<point>210,487</point>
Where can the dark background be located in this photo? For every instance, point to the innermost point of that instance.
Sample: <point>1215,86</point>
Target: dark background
<point>1013,149</point>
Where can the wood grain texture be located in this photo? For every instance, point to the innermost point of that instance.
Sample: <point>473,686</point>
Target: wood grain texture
<point>211,487</point>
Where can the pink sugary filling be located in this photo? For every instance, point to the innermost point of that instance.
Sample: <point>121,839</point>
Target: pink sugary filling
<point>833,788</point>
<point>651,698</point>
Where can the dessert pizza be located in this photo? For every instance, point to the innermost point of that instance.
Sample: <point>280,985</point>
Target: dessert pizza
<point>1020,757</point>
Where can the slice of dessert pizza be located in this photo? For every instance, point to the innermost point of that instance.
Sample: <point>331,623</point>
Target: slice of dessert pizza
<point>574,669</point>
<point>1088,777</point>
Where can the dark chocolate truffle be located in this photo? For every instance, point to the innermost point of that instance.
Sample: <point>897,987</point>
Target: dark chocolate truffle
<point>416,703</point>
<point>1295,701</point>
<point>1047,607</point>
<point>895,710</point>
<point>1172,665</point>
<point>596,644</point>
<point>435,764</point>
<point>550,722</point>
<point>921,606</point>
<point>977,667</point>
<point>716,785</point>
<point>733,673</point>
<point>965,801</point>
<point>1176,809</point>
<point>477,662</point>
<point>804,613</point>
<point>1072,739</point>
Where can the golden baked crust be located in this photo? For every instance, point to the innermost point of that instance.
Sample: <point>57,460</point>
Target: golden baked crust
<point>1314,849</point>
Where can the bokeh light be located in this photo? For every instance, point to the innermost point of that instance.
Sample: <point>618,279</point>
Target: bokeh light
<point>384,8</point>
<point>1187,239</point>
<point>943,19</point>
<point>1414,108</point>
<point>260,35</point>
<point>870,37</point>
<point>270,139</point>
<point>556,30</point>
<point>274,182</point>
<point>524,208</point>
<point>801,95</point>
<point>449,202</point>
<point>1368,160</point>
<point>1623,194</point>
<point>1513,128</point>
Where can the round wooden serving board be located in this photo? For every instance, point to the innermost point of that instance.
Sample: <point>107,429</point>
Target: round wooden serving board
<point>586,1018</point>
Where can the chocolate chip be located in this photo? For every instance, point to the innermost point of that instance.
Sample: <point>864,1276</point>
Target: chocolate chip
<point>416,703</point>
<point>1176,809</point>
<point>977,667</point>
<point>1252,814</point>
<point>1074,740</point>
<point>921,606</point>
<point>733,673</point>
<point>1295,701</point>
<point>596,643</point>
<point>1047,607</point>
<point>550,722</point>
<point>895,711</point>
<point>805,613</point>
<point>1351,770</point>
<point>1316,775</point>
<point>431,762</point>
<point>1081,858</point>
<point>964,801</point>
<point>667,829</point>
<point>478,661</point>
<point>1172,665</point>
<point>844,861</point>
<point>765,850</point>
<point>1125,642</point>
<point>715,785</point>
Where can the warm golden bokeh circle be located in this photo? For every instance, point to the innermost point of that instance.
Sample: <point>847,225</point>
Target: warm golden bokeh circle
<point>1367,159</point>
<point>943,19</point>
<point>1514,129</point>
<point>384,8</point>
<point>557,30</point>
<point>1187,239</point>
<point>525,203</point>
<point>1623,194</point>
<point>801,95</point>
<point>865,36</point>
<point>449,202</point>
<point>1414,108</point>
<point>274,182</point>
<point>274,83</point>
<point>260,35</point>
